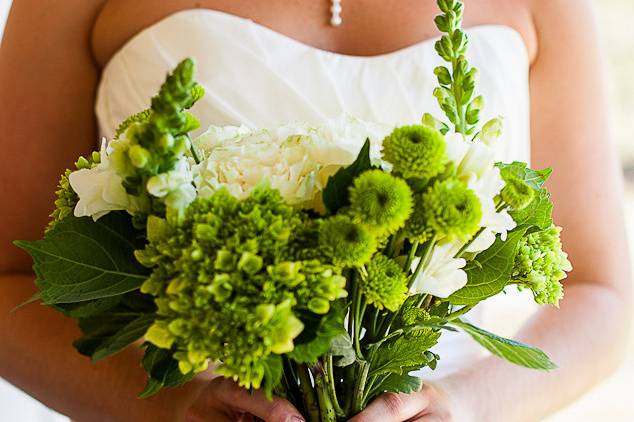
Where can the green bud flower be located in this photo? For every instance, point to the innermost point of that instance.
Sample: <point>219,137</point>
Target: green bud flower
<point>156,228</point>
<point>415,151</point>
<point>225,260</point>
<point>319,306</point>
<point>380,201</point>
<point>265,312</point>
<point>250,263</point>
<point>540,264</point>
<point>345,242</point>
<point>491,130</point>
<point>181,145</point>
<point>159,335</point>
<point>138,155</point>
<point>221,287</point>
<point>165,142</point>
<point>82,163</point>
<point>517,193</point>
<point>287,273</point>
<point>385,285</point>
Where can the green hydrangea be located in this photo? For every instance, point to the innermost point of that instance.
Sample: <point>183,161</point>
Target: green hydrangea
<point>385,285</point>
<point>517,193</point>
<point>346,243</point>
<point>223,289</point>
<point>415,151</point>
<point>541,264</point>
<point>66,198</point>
<point>380,201</point>
<point>447,209</point>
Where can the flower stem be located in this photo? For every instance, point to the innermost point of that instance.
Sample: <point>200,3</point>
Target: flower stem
<point>359,388</point>
<point>331,385</point>
<point>311,407</point>
<point>326,408</point>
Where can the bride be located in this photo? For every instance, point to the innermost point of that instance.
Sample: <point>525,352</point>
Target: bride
<point>266,62</point>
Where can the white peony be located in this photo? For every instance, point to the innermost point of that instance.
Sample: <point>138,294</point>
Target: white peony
<point>100,189</point>
<point>443,275</point>
<point>296,159</point>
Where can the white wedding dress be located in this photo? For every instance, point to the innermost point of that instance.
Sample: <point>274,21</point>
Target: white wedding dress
<point>257,77</point>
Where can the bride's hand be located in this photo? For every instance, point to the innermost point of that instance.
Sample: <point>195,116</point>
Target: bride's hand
<point>222,400</point>
<point>431,404</point>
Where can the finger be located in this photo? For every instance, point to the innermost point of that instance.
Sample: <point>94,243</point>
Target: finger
<point>256,403</point>
<point>428,418</point>
<point>205,414</point>
<point>391,407</point>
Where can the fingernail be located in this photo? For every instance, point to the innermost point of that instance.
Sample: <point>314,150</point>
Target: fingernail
<point>295,419</point>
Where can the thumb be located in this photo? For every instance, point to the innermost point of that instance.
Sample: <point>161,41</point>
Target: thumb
<point>256,403</point>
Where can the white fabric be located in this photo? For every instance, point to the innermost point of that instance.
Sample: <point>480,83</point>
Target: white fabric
<point>258,77</point>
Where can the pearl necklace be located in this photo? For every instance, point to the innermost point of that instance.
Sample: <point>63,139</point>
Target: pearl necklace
<point>335,12</point>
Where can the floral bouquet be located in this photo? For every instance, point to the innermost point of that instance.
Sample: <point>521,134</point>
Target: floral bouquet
<point>320,264</point>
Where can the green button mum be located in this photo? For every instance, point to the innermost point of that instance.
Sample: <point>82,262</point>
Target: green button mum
<point>517,193</point>
<point>346,243</point>
<point>447,209</point>
<point>385,285</point>
<point>415,151</point>
<point>380,201</point>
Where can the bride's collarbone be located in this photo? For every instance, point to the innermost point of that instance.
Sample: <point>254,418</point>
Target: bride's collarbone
<point>370,27</point>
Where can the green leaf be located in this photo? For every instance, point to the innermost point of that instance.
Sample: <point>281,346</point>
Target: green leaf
<point>318,333</point>
<point>336,193</point>
<point>123,338</point>
<point>395,383</point>
<point>162,369</point>
<point>510,350</point>
<point>88,308</point>
<point>342,347</point>
<point>534,178</point>
<point>404,354</point>
<point>273,371</point>
<point>490,271</point>
<point>539,211</point>
<point>81,259</point>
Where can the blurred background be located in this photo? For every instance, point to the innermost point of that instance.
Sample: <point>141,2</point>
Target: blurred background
<point>610,401</point>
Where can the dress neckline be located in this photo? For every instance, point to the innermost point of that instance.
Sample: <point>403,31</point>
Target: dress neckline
<point>290,40</point>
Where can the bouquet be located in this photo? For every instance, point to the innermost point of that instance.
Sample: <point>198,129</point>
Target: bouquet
<point>320,264</point>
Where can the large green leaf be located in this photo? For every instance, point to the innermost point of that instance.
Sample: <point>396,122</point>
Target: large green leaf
<point>336,193</point>
<point>81,259</point>
<point>510,350</point>
<point>534,178</point>
<point>130,333</point>
<point>341,347</point>
<point>490,271</point>
<point>273,371</point>
<point>162,370</point>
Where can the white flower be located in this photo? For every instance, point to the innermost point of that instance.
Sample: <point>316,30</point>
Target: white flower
<point>296,159</point>
<point>175,186</point>
<point>475,163</point>
<point>443,275</point>
<point>100,190</point>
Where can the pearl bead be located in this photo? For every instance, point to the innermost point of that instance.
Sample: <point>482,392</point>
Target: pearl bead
<point>335,13</point>
<point>335,20</point>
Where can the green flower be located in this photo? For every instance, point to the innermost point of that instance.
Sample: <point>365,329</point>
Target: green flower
<point>415,151</point>
<point>380,201</point>
<point>224,288</point>
<point>385,285</point>
<point>66,198</point>
<point>448,208</point>
<point>346,243</point>
<point>540,264</point>
<point>517,193</point>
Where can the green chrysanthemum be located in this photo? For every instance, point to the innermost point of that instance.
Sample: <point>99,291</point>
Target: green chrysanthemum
<point>224,289</point>
<point>346,243</point>
<point>517,193</point>
<point>415,151</point>
<point>385,285</point>
<point>540,264</point>
<point>380,201</point>
<point>447,208</point>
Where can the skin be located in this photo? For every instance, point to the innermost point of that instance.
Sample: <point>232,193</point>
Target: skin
<point>47,122</point>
